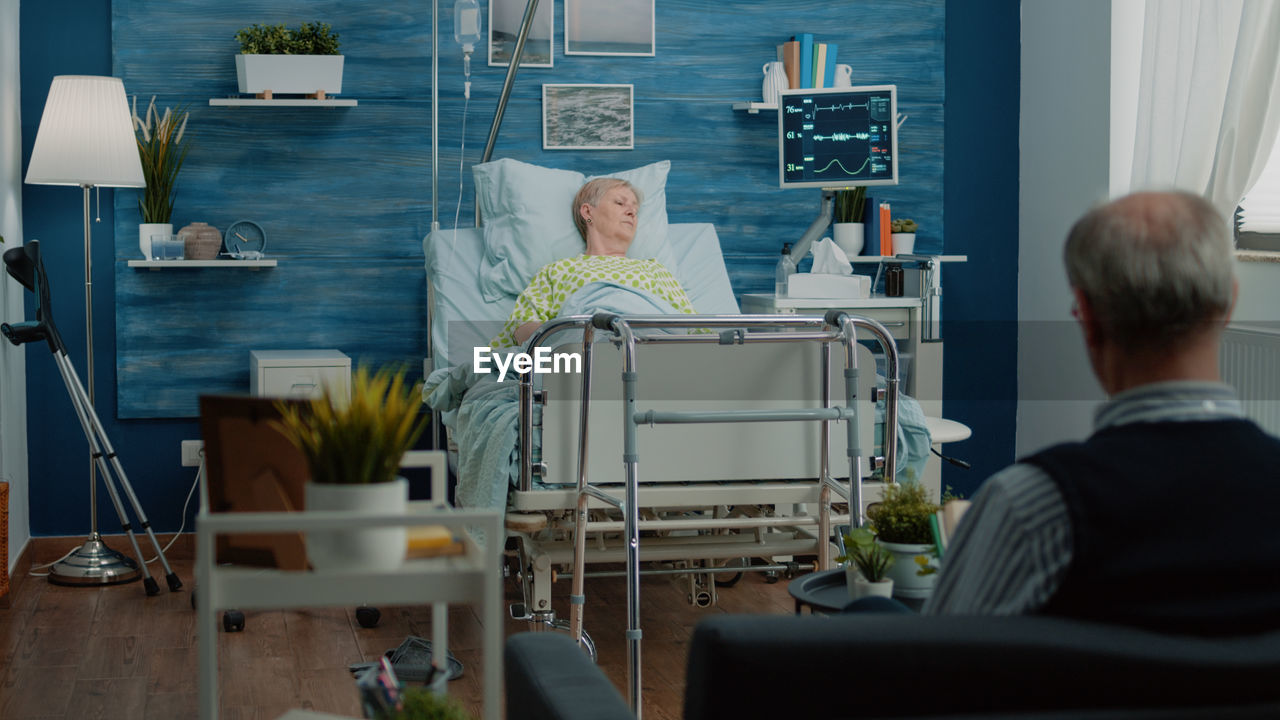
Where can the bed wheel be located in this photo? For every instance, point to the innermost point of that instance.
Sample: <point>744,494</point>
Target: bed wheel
<point>368,617</point>
<point>232,621</point>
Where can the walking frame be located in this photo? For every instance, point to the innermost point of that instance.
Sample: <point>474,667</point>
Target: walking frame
<point>25,265</point>
<point>631,331</point>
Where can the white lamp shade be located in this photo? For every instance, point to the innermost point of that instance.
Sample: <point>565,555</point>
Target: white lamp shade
<point>86,136</point>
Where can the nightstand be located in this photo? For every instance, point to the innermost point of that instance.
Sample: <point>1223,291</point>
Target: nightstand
<point>298,373</point>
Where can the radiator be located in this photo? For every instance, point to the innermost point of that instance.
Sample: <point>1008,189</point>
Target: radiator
<point>1251,364</point>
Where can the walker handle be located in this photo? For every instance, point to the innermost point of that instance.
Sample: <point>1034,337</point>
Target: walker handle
<point>603,320</point>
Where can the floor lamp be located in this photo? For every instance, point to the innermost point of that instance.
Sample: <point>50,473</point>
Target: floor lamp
<point>86,139</point>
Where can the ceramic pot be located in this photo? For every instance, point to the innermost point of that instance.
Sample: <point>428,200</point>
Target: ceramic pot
<point>305,74</point>
<point>859,587</point>
<point>145,231</point>
<point>380,548</point>
<point>849,237</point>
<point>200,241</point>
<point>775,81</point>
<point>903,243</point>
<point>844,76</point>
<point>908,582</point>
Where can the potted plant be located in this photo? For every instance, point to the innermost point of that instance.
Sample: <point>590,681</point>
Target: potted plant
<point>848,229</point>
<point>275,59</point>
<point>162,152</point>
<point>353,449</point>
<point>867,565</point>
<point>901,523</point>
<point>420,703</point>
<point>903,235</point>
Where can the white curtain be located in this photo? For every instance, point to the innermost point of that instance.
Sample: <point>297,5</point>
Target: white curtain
<point>1209,97</point>
<point>13,406</point>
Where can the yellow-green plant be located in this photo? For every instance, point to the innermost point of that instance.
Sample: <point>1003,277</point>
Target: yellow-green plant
<point>903,225</point>
<point>361,441</point>
<point>871,559</point>
<point>902,515</point>
<point>162,151</point>
<point>420,703</point>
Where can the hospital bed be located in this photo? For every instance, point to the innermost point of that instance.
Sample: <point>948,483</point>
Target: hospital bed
<point>712,447</point>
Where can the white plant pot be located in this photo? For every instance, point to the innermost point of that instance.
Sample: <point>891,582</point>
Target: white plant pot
<point>903,243</point>
<point>859,587</point>
<point>849,237</point>
<point>359,548</point>
<point>290,74</point>
<point>146,230</point>
<point>905,571</point>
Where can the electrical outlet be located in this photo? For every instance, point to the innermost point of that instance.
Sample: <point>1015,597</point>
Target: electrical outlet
<point>192,453</point>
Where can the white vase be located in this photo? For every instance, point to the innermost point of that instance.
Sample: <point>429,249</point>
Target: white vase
<point>903,243</point>
<point>146,230</point>
<point>906,571</point>
<point>849,237</point>
<point>859,587</point>
<point>294,74</point>
<point>380,548</point>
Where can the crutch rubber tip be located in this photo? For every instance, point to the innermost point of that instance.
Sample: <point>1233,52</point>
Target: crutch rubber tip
<point>175,583</point>
<point>232,621</point>
<point>153,588</point>
<point>368,617</point>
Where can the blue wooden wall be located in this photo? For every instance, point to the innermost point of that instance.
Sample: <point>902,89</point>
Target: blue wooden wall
<point>344,194</point>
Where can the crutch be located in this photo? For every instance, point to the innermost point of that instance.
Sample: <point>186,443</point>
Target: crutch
<point>25,265</point>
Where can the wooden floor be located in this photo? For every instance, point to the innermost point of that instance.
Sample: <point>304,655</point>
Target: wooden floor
<point>112,652</point>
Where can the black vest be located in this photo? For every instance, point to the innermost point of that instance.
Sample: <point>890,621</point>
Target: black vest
<point>1175,527</point>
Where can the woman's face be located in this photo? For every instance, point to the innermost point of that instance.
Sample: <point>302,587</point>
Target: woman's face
<point>615,217</point>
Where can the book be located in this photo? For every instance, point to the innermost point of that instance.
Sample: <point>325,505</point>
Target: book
<point>791,61</point>
<point>819,64</point>
<point>871,227</point>
<point>829,68</point>
<point>886,240</point>
<point>806,60</point>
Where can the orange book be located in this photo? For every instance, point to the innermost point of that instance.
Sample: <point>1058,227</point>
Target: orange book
<point>791,61</point>
<point>886,241</point>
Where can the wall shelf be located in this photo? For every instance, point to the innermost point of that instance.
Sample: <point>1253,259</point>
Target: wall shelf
<point>192,264</point>
<point>755,107</point>
<point>277,102</point>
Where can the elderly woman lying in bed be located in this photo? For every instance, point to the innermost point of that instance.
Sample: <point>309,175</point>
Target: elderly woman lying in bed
<point>605,212</point>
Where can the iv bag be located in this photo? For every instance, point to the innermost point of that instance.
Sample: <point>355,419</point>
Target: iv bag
<point>466,24</point>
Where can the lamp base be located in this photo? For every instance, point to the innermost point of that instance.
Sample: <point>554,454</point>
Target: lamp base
<point>93,563</point>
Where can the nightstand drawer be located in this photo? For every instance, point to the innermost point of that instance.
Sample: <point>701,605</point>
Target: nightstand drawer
<point>298,373</point>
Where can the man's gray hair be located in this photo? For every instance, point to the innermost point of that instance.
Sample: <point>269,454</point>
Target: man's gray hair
<point>592,191</point>
<point>1154,267</point>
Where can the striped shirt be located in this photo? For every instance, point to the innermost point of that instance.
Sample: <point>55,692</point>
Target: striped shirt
<point>1014,545</point>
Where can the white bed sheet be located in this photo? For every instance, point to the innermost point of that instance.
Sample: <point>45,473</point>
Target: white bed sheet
<point>462,319</point>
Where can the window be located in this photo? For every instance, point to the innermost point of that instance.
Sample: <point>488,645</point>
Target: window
<point>1258,218</point>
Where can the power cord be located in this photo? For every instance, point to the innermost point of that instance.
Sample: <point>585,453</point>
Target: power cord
<point>954,461</point>
<point>186,503</point>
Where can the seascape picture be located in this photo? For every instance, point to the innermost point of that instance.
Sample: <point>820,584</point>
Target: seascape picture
<point>587,117</point>
<point>616,27</point>
<point>505,17</point>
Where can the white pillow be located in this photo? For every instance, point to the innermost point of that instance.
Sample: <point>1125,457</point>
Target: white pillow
<point>528,220</point>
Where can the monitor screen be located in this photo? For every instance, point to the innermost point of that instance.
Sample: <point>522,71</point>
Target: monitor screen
<point>838,137</point>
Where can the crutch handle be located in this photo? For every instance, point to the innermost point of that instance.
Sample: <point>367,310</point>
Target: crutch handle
<point>24,332</point>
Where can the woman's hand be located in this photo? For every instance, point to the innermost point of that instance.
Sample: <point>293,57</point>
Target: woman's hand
<point>525,331</point>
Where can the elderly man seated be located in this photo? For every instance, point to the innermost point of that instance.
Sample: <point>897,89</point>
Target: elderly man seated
<point>1164,518</point>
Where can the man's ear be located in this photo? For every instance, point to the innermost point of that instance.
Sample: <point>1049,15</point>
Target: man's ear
<point>1088,321</point>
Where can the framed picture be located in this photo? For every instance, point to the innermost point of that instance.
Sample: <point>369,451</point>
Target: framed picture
<point>616,27</point>
<point>588,117</point>
<point>505,17</point>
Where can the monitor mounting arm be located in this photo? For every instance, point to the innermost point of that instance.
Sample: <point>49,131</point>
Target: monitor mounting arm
<point>817,227</point>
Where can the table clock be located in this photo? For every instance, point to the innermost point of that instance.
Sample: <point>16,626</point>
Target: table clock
<point>245,236</point>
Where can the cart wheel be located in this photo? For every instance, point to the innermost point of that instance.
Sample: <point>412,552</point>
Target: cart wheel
<point>232,621</point>
<point>368,617</point>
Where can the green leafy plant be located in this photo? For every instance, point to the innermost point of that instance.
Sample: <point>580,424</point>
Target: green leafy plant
<point>162,151</point>
<point>309,39</point>
<point>902,515</point>
<point>360,441</point>
<point>419,703</point>
<point>871,559</point>
<point>903,225</point>
<point>850,204</point>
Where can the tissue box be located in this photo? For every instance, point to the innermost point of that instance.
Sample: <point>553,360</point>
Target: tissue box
<point>819,285</point>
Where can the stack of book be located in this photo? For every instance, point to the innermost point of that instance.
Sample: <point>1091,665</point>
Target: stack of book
<point>809,64</point>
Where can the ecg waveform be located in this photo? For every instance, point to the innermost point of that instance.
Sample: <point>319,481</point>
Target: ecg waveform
<point>843,136</point>
<point>842,106</point>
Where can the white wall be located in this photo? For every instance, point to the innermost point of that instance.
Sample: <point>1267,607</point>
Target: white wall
<point>13,405</point>
<point>1064,166</point>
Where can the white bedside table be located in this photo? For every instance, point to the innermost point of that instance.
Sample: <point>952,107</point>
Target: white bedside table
<point>298,373</point>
